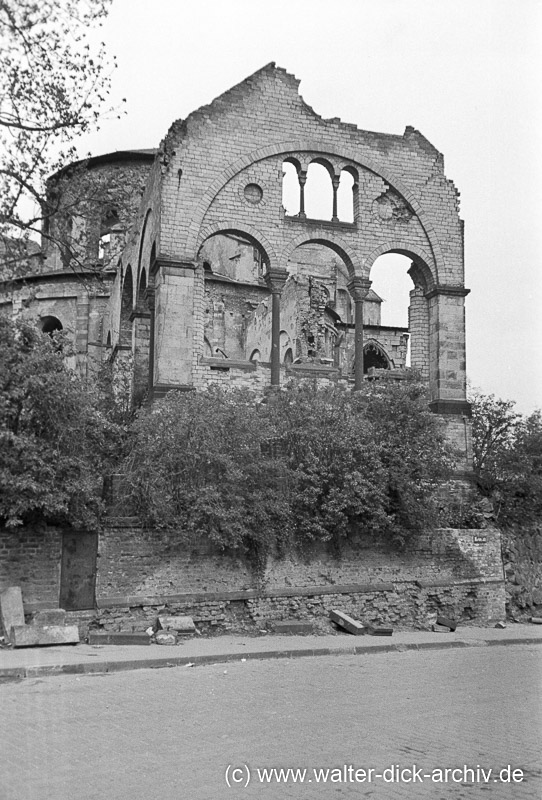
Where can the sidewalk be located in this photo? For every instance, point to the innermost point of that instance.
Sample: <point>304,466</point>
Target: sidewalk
<point>83,658</point>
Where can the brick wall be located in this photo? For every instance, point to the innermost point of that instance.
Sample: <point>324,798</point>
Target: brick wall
<point>455,572</point>
<point>522,559</point>
<point>30,558</point>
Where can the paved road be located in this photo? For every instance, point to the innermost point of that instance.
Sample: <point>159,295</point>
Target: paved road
<point>170,734</point>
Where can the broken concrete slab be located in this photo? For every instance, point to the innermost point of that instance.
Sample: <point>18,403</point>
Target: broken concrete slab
<point>118,637</point>
<point>500,624</point>
<point>536,620</point>
<point>11,609</point>
<point>292,626</point>
<point>175,623</point>
<point>348,623</point>
<point>43,635</point>
<point>48,616</point>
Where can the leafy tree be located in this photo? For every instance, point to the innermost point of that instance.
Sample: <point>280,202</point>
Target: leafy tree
<point>53,85</point>
<point>55,441</point>
<point>508,458</point>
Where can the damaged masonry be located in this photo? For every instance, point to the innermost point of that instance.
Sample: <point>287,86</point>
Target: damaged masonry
<point>215,268</point>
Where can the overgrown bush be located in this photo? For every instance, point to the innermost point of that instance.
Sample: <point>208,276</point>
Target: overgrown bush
<point>305,465</point>
<point>55,440</point>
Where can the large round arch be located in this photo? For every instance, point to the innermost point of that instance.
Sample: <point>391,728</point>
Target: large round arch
<point>425,271</point>
<point>289,148</point>
<point>248,232</point>
<point>325,239</point>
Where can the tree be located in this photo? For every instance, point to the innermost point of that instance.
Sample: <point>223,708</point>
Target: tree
<point>53,86</point>
<point>508,458</point>
<point>55,441</point>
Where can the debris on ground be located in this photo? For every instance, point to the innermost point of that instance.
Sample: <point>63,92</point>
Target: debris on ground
<point>349,624</point>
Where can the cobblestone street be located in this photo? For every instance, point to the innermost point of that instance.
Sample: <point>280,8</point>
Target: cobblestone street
<point>171,734</point>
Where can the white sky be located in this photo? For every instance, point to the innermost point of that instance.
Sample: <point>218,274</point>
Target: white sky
<point>466,73</point>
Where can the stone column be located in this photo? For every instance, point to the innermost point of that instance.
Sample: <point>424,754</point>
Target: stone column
<point>141,319</point>
<point>447,367</point>
<point>149,300</point>
<point>81,333</point>
<point>335,183</point>
<point>358,288</point>
<point>173,325</point>
<point>418,325</point>
<point>275,279</point>
<point>302,178</point>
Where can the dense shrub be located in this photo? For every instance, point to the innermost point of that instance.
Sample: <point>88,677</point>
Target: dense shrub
<point>304,465</point>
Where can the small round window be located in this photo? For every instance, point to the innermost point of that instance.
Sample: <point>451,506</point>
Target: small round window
<point>253,193</point>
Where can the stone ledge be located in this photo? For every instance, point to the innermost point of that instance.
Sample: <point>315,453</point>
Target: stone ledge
<point>246,594</point>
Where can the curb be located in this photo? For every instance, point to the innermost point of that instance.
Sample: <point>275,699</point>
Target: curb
<point>104,667</point>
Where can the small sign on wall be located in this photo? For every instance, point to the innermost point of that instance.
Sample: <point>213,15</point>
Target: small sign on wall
<point>479,539</point>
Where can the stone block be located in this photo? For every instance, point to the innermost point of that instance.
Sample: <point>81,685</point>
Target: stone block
<point>165,637</point>
<point>43,635</point>
<point>11,609</point>
<point>293,626</point>
<point>372,631</point>
<point>174,623</point>
<point>48,616</point>
<point>348,623</point>
<point>118,637</point>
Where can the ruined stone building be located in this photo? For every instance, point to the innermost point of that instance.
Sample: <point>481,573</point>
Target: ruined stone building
<point>205,275</point>
<point>207,261</point>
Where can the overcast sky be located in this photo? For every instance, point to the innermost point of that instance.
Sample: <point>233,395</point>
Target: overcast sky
<point>466,73</point>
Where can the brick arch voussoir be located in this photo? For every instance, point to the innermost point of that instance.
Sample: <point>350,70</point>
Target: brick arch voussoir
<point>235,225</point>
<point>316,147</point>
<point>405,248</point>
<point>324,237</point>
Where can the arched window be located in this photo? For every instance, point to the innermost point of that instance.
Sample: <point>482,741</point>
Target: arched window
<point>50,325</point>
<point>290,188</point>
<point>374,356</point>
<point>345,197</point>
<point>318,192</point>
<point>255,356</point>
<point>288,356</point>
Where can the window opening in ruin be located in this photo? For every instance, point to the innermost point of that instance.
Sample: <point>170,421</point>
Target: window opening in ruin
<point>109,223</point>
<point>345,197</point>
<point>391,281</point>
<point>255,356</point>
<point>288,356</point>
<point>234,255</point>
<point>50,325</point>
<point>290,189</point>
<point>374,357</point>
<point>318,192</point>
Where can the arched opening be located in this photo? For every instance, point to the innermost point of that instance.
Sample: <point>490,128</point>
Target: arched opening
<point>109,243</point>
<point>318,192</point>
<point>255,356</point>
<point>374,357</point>
<point>235,255</point>
<point>290,187</point>
<point>126,307</point>
<point>50,325</point>
<point>142,288</point>
<point>346,197</point>
<point>288,356</point>
<point>405,317</point>
<point>232,320</point>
